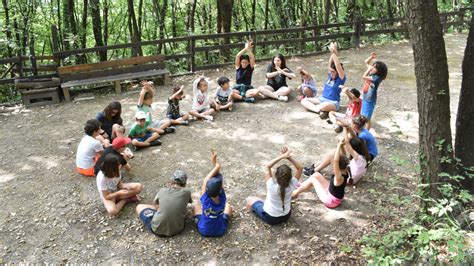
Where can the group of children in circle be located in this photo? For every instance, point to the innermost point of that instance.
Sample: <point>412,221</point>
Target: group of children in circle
<point>105,149</point>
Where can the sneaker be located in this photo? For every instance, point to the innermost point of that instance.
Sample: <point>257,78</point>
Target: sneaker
<point>282,98</point>
<point>329,121</point>
<point>155,143</point>
<point>170,130</point>
<point>132,147</point>
<point>300,97</point>
<point>324,115</point>
<point>308,170</point>
<point>249,99</point>
<point>185,122</point>
<point>338,129</point>
<point>209,118</point>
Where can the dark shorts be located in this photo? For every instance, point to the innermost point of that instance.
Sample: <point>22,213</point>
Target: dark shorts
<point>143,139</point>
<point>146,216</point>
<point>199,216</point>
<point>242,88</point>
<point>257,208</point>
<point>173,116</point>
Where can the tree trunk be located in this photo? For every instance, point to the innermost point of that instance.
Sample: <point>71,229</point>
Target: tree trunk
<point>431,71</point>
<point>106,21</point>
<point>464,146</point>
<point>97,28</point>
<point>190,16</point>
<point>66,31</point>
<point>336,9</point>
<point>266,15</point>
<point>327,11</point>
<point>254,8</point>
<point>82,58</point>
<point>8,31</point>
<point>173,21</point>
<point>224,8</point>
<point>134,31</point>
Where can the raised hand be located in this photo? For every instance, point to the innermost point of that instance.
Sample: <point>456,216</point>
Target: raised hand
<point>213,157</point>
<point>285,152</point>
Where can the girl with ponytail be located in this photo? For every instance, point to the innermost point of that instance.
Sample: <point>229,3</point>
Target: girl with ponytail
<point>277,205</point>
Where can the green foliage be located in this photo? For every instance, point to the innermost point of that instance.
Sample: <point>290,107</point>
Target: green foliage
<point>431,237</point>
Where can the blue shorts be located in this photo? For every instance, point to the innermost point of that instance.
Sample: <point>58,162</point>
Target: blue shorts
<point>313,89</point>
<point>143,139</point>
<point>257,208</point>
<point>325,100</point>
<point>367,109</point>
<point>198,217</point>
<point>146,215</point>
<point>173,116</point>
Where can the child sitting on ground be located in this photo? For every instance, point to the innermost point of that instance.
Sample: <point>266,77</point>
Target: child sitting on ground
<point>173,113</point>
<point>166,216</point>
<point>145,100</point>
<point>89,149</point>
<point>120,149</point>
<point>223,98</point>
<point>201,108</point>
<point>308,88</point>
<point>353,109</point>
<point>277,206</point>
<point>113,192</point>
<point>141,133</point>
<point>213,213</point>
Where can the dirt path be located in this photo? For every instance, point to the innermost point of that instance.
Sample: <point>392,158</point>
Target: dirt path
<point>51,214</point>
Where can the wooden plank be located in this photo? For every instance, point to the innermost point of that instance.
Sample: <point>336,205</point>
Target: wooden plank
<point>284,41</point>
<point>10,60</point>
<point>330,36</point>
<point>65,54</point>
<point>36,91</point>
<point>384,31</point>
<point>178,56</point>
<point>150,73</point>
<point>212,66</point>
<point>110,72</point>
<point>111,64</point>
<point>222,35</point>
<point>216,47</point>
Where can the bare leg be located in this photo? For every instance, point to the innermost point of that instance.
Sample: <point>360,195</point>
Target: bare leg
<point>251,93</point>
<point>332,117</point>
<point>197,114</point>
<point>283,91</point>
<point>113,208</point>
<point>368,125</point>
<point>141,207</point>
<point>327,160</point>
<point>311,104</point>
<point>133,189</point>
<point>250,201</point>
<point>209,111</point>
<point>308,92</point>
<point>236,95</point>
<point>153,137</point>
<point>321,186</point>
<point>228,210</point>
<point>180,120</point>
<point>166,123</point>
<point>305,186</point>
<point>326,107</point>
<point>267,91</point>
<point>137,143</point>
<point>197,209</point>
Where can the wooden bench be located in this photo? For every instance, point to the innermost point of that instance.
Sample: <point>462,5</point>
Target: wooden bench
<point>38,91</point>
<point>112,71</point>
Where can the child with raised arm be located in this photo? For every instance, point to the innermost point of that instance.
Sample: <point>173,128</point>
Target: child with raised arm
<point>145,100</point>
<point>308,88</point>
<point>353,109</point>
<point>166,216</point>
<point>141,133</point>
<point>244,66</point>
<point>201,108</point>
<point>113,192</point>
<point>212,213</point>
<point>173,113</point>
<point>330,193</point>
<point>223,97</point>
<point>373,76</point>
<point>277,206</point>
<point>89,149</point>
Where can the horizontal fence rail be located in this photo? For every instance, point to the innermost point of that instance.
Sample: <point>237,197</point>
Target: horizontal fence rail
<point>200,52</point>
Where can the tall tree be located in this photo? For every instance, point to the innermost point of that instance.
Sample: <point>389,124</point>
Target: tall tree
<point>327,11</point>
<point>97,28</point>
<point>464,144</point>
<point>8,31</point>
<point>133,29</point>
<point>431,71</point>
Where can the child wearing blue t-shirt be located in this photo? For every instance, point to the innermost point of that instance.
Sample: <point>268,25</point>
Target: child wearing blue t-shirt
<point>213,213</point>
<point>373,76</point>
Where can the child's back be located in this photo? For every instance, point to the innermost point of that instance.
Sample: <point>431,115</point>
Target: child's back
<point>169,220</point>
<point>213,222</point>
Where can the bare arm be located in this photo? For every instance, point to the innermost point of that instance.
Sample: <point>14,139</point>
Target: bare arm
<point>111,196</point>
<point>288,74</point>
<point>237,57</point>
<point>337,172</point>
<point>177,93</point>
<point>273,74</point>
<point>213,172</point>
<point>340,70</point>
<point>369,59</point>
<point>251,55</point>
<point>298,166</point>
<point>366,75</point>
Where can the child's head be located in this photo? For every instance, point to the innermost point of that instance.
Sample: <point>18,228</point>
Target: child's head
<point>283,177</point>
<point>279,60</point>
<point>92,127</point>
<point>333,70</point>
<point>202,85</point>
<point>380,68</point>
<point>244,61</point>
<point>343,162</point>
<point>114,109</point>
<point>110,166</point>
<point>140,117</point>
<point>214,186</point>
<point>148,98</point>
<point>358,122</point>
<point>180,96</point>
<point>355,92</point>
<point>224,82</point>
<point>120,143</point>
<point>359,146</point>
<point>179,178</point>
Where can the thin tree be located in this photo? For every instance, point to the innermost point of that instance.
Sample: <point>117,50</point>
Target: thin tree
<point>97,28</point>
<point>431,71</point>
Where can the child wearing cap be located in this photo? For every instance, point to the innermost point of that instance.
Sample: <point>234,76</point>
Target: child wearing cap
<point>145,100</point>
<point>140,132</point>
<point>119,148</point>
<point>89,149</point>
<point>166,216</point>
<point>353,109</point>
<point>213,213</point>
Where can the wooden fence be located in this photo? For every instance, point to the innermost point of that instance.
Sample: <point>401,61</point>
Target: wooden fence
<point>302,41</point>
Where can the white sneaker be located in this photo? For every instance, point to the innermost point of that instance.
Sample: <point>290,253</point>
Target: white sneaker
<point>282,98</point>
<point>209,118</point>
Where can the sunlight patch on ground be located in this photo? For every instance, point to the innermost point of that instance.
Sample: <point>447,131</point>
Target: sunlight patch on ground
<point>48,162</point>
<point>6,176</point>
<point>406,123</point>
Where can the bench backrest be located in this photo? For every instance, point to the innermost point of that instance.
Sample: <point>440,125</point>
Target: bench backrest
<point>110,68</point>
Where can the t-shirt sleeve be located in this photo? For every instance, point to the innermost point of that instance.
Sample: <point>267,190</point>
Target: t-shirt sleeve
<point>188,195</point>
<point>269,68</point>
<point>133,131</point>
<point>100,117</point>
<point>376,80</point>
<point>98,146</point>
<point>157,198</point>
<point>101,184</point>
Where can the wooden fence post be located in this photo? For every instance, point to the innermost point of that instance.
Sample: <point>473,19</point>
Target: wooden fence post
<point>254,41</point>
<point>191,51</point>
<point>303,40</point>
<point>357,32</point>
<point>461,15</point>
<point>55,44</point>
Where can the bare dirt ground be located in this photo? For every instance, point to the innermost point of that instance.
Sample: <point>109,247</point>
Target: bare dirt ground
<point>51,214</point>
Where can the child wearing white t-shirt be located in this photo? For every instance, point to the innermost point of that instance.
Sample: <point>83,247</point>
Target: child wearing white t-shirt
<point>276,208</point>
<point>89,149</point>
<point>201,108</point>
<point>113,192</point>
<point>223,97</point>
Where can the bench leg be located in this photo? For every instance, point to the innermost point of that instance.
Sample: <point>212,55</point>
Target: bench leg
<point>118,87</point>
<point>67,97</point>
<point>166,79</point>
